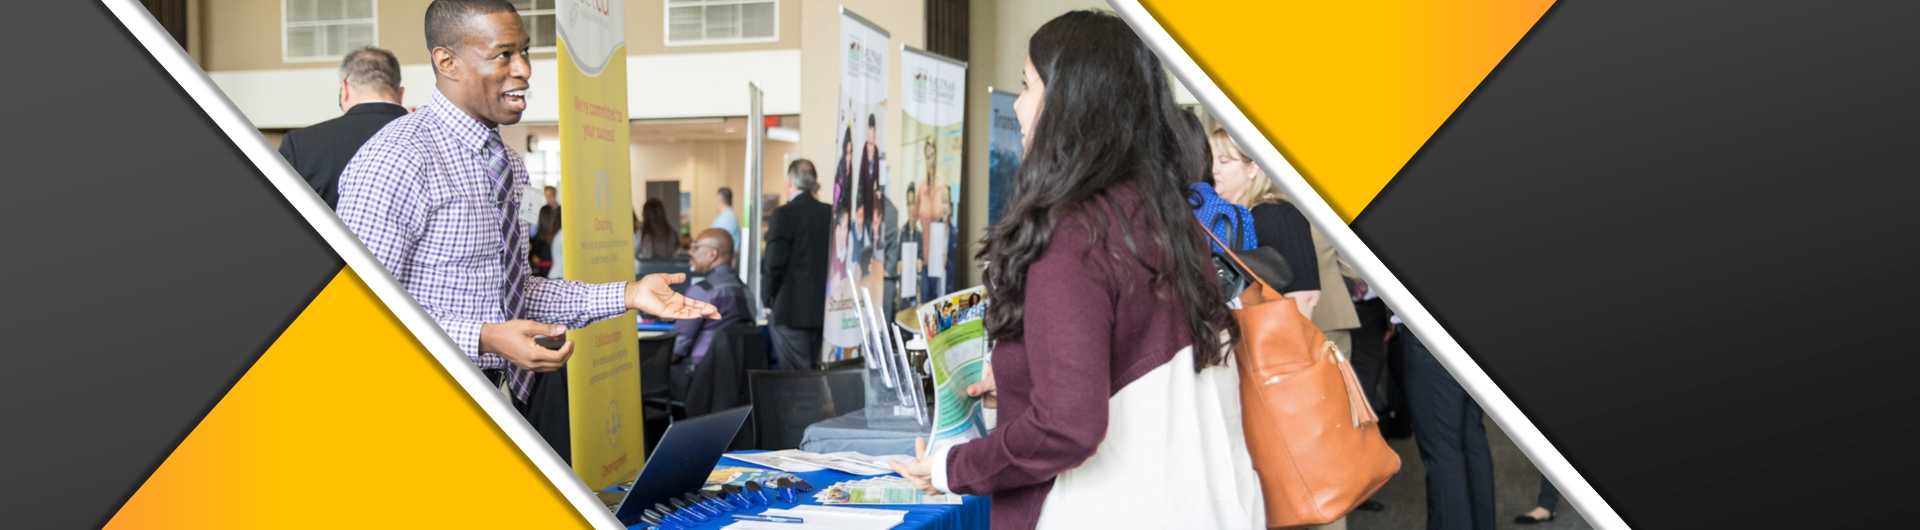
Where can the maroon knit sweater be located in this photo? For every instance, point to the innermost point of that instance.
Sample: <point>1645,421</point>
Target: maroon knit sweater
<point>1092,327</point>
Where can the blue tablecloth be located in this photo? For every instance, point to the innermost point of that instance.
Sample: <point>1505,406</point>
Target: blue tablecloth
<point>972,515</point>
<point>851,433</point>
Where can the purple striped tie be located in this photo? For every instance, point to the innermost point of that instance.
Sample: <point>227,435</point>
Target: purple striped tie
<point>519,382</point>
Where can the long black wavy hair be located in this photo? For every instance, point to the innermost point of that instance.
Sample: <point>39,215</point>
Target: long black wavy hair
<point>1107,119</point>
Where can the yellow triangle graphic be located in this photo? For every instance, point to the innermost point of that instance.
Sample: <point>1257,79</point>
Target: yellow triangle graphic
<point>347,422</point>
<point>1348,91</point>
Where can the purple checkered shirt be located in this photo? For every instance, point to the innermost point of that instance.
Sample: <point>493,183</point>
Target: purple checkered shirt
<point>420,195</point>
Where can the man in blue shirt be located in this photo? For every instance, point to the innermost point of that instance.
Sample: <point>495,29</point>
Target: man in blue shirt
<point>727,220</point>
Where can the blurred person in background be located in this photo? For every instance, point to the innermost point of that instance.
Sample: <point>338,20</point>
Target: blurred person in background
<point>1449,428</point>
<point>657,241</point>
<point>370,96</point>
<point>712,260</point>
<point>549,240</point>
<point>541,244</point>
<point>1276,222</point>
<point>795,271</point>
<point>1230,222</point>
<point>1542,512</point>
<point>726,220</point>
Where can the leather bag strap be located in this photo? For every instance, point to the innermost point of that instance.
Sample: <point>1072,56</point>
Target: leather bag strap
<point>1265,290</point>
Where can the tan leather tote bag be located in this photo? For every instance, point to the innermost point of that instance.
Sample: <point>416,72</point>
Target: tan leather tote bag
<point>1314,438</point>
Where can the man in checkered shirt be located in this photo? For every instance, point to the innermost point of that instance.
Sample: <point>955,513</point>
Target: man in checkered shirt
<point>436,194</point>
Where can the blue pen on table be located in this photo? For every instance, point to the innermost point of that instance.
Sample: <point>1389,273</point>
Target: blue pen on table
<point>768,518</point>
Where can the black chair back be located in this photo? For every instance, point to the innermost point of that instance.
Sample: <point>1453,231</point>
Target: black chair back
<point>719,382</point>
<point>785,403</point>
<point>656,359</point>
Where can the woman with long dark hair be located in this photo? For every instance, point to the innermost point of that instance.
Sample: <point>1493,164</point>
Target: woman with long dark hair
<point>1111,335</point>
<point>657,239</point>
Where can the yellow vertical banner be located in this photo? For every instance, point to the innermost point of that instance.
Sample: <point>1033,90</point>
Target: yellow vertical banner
<point>603,377</point>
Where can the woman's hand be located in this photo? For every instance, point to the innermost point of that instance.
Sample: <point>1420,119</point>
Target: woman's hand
<point>919,471</point>
<point>985,390</point>
<point>1305,300</point>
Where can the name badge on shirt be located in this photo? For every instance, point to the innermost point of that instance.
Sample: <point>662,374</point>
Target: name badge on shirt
<point>531,200</point>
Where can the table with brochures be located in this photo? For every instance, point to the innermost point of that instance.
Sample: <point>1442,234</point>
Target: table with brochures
<point>970,515</point>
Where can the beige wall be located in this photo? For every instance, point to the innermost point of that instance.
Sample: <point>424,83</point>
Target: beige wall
<point>997,51</point>
<point>245,34</point>
<point>702,168</point>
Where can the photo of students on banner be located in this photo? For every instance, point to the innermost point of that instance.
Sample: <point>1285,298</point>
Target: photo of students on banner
<point>862,216</point>
<point>932,111</point>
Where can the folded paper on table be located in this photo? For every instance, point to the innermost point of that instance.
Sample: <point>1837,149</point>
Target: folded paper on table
<point>781,460</point>
<point>797,461</point>
<point>880,490</point>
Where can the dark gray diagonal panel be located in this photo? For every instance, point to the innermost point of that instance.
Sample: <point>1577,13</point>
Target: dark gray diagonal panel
<point>1681,236</point>
<point>150,265</point>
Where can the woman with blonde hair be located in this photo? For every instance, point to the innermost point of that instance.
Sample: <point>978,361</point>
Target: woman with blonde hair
<point>1276,222</point>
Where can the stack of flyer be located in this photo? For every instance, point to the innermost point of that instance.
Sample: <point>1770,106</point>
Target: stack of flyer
<point>880,490</point>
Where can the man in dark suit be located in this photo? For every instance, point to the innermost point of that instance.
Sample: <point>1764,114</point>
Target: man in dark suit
<point>370,95</point>
<point>795,292</point>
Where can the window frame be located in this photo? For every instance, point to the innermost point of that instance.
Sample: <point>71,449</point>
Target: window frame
<point>666,24</point>
<point>552,12</point>
<point>286,25</point>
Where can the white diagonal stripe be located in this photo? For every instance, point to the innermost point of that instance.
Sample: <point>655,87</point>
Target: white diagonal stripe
<point>196,84</point>
<point>1571,485</point>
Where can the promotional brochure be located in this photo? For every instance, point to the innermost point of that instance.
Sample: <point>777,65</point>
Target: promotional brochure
<point>955,327</point>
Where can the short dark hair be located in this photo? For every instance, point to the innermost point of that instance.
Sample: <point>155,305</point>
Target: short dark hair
<point>870,121</point>
<point>447,19</point>
<point>801,171</point>
<point>726,195</point>
<point>371,68</point>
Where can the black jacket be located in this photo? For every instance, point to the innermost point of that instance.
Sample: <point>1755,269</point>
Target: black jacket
<point>321,151</point>
<point>795,271</point>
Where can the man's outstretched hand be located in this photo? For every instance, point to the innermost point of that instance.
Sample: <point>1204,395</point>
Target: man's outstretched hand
<point>654,295</point>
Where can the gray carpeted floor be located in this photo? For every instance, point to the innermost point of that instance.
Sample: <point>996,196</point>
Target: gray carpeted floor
<point>1516,488</point>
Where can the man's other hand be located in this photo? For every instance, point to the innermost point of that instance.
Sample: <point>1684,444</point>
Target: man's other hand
<point>654,295</point>
<point>513,340</point>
